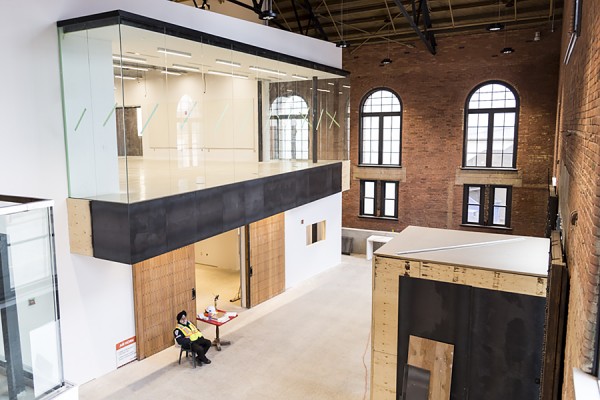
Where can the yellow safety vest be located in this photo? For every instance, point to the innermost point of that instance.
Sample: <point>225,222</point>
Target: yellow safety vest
<point>190,331</point>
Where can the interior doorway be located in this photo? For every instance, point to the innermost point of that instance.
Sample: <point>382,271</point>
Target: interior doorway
<point>218,262</point>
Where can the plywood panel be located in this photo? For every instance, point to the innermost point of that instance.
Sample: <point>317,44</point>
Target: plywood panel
<point>162,287</point>
<point>267,258</point>
<point>80,226</point>
<point>436,357</point>
<point>383,376</point>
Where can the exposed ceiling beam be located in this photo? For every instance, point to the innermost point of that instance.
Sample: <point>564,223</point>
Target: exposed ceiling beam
<point>430,46</point>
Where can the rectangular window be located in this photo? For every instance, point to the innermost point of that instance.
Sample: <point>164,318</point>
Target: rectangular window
<point>494,212</point>
<point>379,199</point>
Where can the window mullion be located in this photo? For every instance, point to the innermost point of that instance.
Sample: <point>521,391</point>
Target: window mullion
<point>490,139</point>
<point>380,155</point>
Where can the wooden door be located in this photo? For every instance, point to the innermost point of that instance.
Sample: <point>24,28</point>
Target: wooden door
<point>267,258</point>
<point>162,286</point>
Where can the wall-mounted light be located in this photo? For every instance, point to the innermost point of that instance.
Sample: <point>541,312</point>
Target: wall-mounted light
<point>229,63</point>
<point>129,59</point>
<point>267,70</point>
<point>385,61</point>
<point>239,76</point>
<point>507,50</point>
<point>186,68</point>
<point>174,52</point>
<point>130,67</point>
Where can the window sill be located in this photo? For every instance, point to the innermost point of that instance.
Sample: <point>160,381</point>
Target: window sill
<point>500,228</point>
<point>378,166</point>
<point>376,217</point>
<point>513,170</point>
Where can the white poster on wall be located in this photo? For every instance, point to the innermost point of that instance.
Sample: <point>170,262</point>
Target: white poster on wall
<point>126,351</point>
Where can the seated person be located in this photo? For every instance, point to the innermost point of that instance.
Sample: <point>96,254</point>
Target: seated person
<point>189,337</point>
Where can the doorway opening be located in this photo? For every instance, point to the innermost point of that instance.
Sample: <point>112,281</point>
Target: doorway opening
<point>219,270</point>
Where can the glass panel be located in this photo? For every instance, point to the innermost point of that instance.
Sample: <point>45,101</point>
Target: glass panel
<point>369,207</point>
<point>390,190</point>
<point>29,306</point>
<point>492,96</point>
<point>473,214</point>
<point>499,216</point>
<point>149,115</point>
<point>500,196</point>
<point>370,189</point>
<point>382,101</point>
<point>389,208</point>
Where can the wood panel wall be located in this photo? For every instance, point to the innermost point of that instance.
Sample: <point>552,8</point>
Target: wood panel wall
<point>162,286</point>
<point>267,258</point>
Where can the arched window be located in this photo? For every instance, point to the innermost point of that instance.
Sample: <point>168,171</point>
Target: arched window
<point>491,118</point>
<point>289,128</point>
<point>380,129</point>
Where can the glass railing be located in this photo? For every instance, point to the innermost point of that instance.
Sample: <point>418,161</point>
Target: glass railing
<point>149,114</point>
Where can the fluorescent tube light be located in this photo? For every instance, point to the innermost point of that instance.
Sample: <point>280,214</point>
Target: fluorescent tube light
<point>174,52</point>
<point>129,67</point>
<point>127,78</point>
<point>230,63</point>
<point>170,73</point>
<point>346,86</point>
<point>323,90</point>
<point>330,83</point>
<point>267,70</point>
<point>304,78</point>
<point>130,59</point>
<point>227,74</point>
<point>186,68</point>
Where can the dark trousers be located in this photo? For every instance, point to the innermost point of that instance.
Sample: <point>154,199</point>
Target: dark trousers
<point>200,347</point>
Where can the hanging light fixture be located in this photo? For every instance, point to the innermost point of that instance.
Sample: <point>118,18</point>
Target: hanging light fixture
<point>268,14</point>
<point>496,26</point>
<point>387,60</point>
<point>342,43</point>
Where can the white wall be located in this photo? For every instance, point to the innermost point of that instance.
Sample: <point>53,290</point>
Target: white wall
<point>221,251</point>
<point>302,261</point>
<point>96,296</point>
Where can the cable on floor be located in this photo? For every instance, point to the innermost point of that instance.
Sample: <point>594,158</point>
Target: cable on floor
<point>365,365</point>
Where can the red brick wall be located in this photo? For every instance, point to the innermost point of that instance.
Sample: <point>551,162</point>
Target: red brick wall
<point>433,90</point>
<point>578,167</point>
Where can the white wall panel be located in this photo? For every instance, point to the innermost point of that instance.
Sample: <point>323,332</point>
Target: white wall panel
<point>303,261</point>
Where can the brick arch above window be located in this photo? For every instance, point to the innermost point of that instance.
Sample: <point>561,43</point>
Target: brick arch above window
<point>491,126</point>
<point>380,128</point>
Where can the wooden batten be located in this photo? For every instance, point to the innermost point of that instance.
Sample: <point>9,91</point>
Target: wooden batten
<point>80,226</point>
<point>345,175</point>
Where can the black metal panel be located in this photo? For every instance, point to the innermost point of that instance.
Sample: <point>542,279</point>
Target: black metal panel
<point>438,311</point>
<point>180,211</point>
<point>111,231</point>
<point>130,233</point>
<point>209,209</point>
<point>148,221</point>
<point>507,333</point>
<point>254,200</point>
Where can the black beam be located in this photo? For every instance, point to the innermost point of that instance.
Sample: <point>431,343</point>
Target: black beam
<point>415,27</point>
<point>260,120</point>
<point>427,21</point>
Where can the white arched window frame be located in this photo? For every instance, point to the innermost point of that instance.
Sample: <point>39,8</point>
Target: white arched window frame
<point>491,126</point>
<point>289,128</point>
<point>381,129</point>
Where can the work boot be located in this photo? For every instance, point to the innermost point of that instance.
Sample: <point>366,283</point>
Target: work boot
<point>206,361</point>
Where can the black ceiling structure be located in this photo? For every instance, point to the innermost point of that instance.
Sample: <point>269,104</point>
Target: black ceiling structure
<point>407,22</point>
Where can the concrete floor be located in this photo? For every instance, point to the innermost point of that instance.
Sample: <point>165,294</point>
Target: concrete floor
<point>311,342</point>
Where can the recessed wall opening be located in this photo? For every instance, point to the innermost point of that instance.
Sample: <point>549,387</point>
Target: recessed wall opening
<point>315,232</point>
